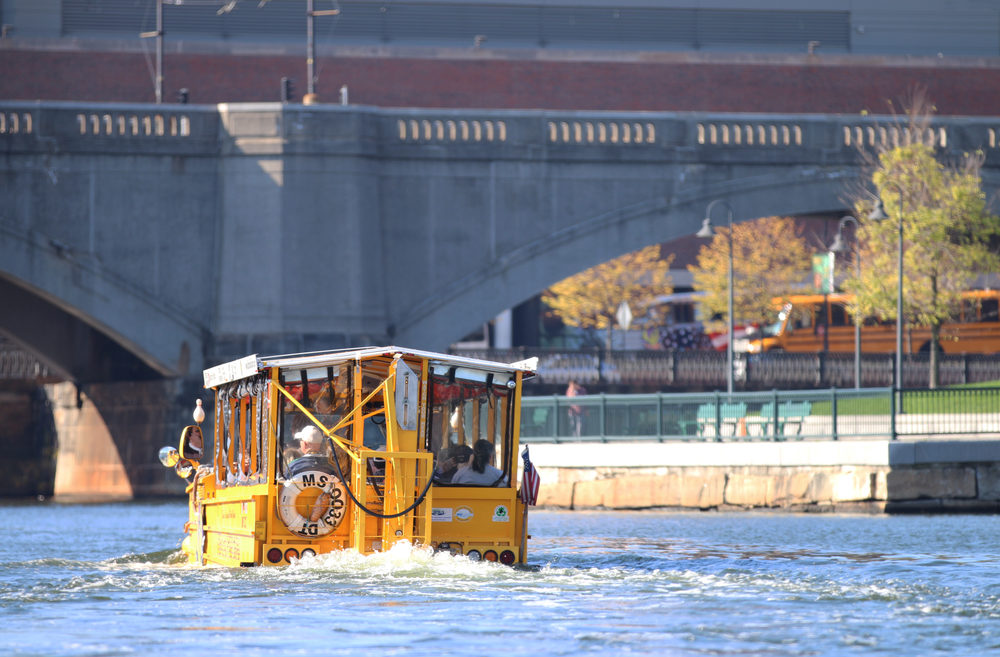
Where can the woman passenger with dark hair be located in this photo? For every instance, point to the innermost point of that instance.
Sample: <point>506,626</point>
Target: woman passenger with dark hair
<point>480,471</point>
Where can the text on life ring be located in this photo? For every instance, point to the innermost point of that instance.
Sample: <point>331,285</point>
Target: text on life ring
<point>312,503</point>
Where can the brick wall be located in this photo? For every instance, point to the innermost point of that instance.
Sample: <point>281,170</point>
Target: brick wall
<point>676,82</point>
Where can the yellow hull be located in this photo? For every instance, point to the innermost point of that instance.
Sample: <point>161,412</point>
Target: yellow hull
<point>240,527</point>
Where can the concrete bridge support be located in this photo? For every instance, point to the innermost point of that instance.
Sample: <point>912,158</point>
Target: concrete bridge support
<point>109,435</point>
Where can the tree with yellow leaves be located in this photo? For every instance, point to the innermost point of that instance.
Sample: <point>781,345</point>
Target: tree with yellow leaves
<point>948,235</point>
<point>770,259</point>
<point>591,298</point>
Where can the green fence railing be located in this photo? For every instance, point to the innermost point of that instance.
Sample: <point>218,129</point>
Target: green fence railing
<point>832,414</point>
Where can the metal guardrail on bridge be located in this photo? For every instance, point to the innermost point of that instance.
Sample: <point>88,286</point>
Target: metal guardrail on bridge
<point>832,414</point>
<point>18,364</point>
<point>706,370</point>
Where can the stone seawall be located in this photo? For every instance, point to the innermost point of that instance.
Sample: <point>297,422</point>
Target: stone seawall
<point>872,476</point>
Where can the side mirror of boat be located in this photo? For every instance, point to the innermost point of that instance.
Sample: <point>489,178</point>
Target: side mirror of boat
<point>169,456</point>
<point>184,468</point>
<point>192,443</point>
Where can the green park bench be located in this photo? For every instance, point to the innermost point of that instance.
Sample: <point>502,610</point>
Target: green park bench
<point>729,416</point>
<point>790,418</point>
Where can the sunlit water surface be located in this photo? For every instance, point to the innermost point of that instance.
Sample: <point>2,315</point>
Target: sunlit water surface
<point>104,580</point>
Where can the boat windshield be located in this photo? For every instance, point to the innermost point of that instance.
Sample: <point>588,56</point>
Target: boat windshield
<point>326,393</point>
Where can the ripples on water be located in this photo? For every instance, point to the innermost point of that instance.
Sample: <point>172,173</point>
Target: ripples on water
<point>105,580</point>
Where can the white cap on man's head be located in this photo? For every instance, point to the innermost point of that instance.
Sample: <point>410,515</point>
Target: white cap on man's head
<point>309,434</point>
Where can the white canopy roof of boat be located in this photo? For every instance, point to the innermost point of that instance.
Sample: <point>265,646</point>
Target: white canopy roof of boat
<point>251,365</point>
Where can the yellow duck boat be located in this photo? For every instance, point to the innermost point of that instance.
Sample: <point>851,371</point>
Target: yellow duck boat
<point>357,450</point>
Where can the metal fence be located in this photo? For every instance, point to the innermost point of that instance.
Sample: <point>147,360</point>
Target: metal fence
<point>707,369</point>
<point>18,364</point>
<point>832,414</point>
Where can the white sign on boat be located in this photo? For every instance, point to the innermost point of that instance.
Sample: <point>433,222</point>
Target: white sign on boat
<point>232,371</point>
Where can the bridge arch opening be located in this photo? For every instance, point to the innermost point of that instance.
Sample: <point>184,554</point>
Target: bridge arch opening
<point>73,349</point>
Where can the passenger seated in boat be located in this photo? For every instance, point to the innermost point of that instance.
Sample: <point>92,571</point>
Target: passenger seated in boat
<point>314,455</point>
<point>479,470</point>
<point>451,458</point>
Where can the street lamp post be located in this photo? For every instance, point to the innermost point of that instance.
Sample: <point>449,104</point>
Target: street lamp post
<point>838,246</point>
<point>879,214</point>
<point>706,231</point>
<point>311,14</point>
<point>158,35</point>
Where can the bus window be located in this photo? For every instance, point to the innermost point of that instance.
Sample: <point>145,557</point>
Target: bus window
<point>988,310</point>
<point>838,315</point>
<point>802,317</point>
<point>820,315</point>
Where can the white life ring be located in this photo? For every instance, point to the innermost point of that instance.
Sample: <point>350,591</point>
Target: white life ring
<point>323,499</point>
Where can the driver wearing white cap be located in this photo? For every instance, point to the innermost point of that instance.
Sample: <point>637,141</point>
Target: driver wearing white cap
<point>314,456</point>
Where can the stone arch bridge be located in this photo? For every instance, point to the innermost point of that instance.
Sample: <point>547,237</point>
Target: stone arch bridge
<point>182,235</point>
<point>147,242</point>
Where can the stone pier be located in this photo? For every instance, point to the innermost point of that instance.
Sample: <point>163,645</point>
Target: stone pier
<point>109,436</point>
<point>926,476</point>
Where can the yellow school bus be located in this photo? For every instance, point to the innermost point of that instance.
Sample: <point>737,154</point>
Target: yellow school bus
<point>817,322</point>
<point>356,450</point>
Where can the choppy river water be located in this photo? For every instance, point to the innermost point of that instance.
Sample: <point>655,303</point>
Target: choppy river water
<point>103,580</point>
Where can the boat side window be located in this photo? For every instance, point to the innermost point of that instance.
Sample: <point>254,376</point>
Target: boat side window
<point>463,413</point>
<point>223,418</point>
<point>239,430</point>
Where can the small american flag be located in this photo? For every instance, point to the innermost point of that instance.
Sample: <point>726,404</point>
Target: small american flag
<point>529,481</point>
